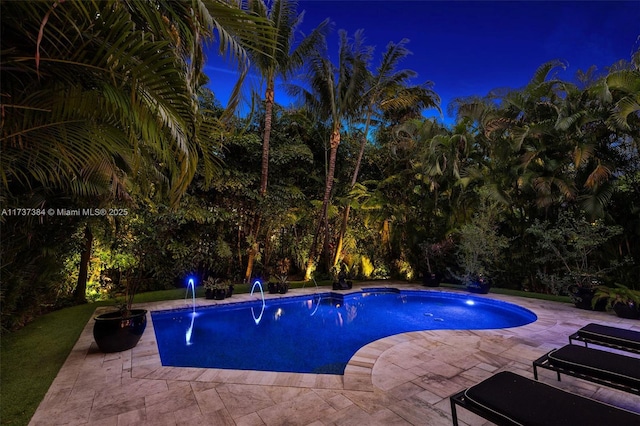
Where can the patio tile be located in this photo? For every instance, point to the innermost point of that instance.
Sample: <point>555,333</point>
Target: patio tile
<point>241,400</point>
<point>299,410</point>
<point>252,419</point>
<point>115,408</point>
<point>176,398</point>
<point>417,411</point>
<point>347,416</point>
<point>339,402</point>
<point>134,417</point>
<point>405,390</point>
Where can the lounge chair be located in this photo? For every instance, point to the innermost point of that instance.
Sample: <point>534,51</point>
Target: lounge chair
<point>613,337</point>
<point>510,399</point>
<point>598,366</point>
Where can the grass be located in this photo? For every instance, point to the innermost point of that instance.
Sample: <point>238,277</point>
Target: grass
<point>32,356</point>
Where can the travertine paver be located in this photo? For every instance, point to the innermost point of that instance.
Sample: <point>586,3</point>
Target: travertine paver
<point>399,380</point>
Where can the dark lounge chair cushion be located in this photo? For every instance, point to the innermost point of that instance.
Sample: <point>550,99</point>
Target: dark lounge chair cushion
<point>601,364</point>
<point>610,335</point>
<point>524,401</point>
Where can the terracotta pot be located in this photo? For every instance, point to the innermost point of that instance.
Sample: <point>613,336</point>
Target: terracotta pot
<point>115,333</point>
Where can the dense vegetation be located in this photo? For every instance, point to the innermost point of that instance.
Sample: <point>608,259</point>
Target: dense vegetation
<point>104,106</point>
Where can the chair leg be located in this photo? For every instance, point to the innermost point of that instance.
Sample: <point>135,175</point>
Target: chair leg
<point>454,414</point>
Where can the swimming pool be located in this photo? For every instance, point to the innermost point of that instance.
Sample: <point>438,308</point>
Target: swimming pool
<point>317,333</point>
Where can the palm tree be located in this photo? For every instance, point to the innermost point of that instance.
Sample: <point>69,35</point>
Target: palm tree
<point>95,93</point>
<point>333,95</point>
<point>281,60</point>
<point>622,85</point>
<point>386,91</point>
<point>86,82</point>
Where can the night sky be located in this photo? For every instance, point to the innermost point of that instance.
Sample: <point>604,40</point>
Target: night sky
<point>470,47</point>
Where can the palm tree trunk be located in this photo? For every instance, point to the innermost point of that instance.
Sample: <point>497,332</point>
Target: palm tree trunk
<point>80,292</point>
<point>354,179</point>
<point>264,177</point>
<point>334,143</point>
<point>269,100</point>
<point>253,249</point>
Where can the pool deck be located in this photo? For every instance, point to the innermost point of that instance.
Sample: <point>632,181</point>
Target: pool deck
<point>404,379</point>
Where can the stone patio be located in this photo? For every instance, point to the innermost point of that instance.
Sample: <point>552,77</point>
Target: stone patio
<point>404,379</point>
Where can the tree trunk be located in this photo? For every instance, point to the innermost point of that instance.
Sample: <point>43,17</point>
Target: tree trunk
<point>269,100</point>
<point>264,178</point>
<point>326,244</point>
<point>253,249</point>
<point>80,293</point>
<point>354,179</point>
<point>343,231</point>
<point>334,142</point>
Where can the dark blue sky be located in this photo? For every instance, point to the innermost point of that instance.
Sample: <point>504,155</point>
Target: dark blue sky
<point>470,47</point>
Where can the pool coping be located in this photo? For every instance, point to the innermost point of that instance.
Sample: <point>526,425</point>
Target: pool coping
<point>147,364</point>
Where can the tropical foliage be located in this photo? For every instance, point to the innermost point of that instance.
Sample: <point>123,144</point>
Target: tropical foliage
<point>104,107</point>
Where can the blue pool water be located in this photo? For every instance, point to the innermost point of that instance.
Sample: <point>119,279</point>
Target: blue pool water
<point>316,333</point>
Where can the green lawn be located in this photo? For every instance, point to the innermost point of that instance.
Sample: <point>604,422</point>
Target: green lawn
<point>31,357</point>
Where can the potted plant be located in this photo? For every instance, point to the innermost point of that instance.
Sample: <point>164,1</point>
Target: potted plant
<point>282,283</point>
<point>340,274</point>
<point>122,329</point>
<point>209,287</point>
<point>431,254</point>
<point>230,287</point>
<point>566,251</point>
<point>479,249</point>
<point>582,294</point>
<point>624,301</point>
<point>220,290</point>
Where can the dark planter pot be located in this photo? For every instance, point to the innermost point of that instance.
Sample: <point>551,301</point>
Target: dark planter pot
<point>282,288</point>
<point>115,333</point>
<point>208,294</point>
<point>479,286</point>
<point>230,290</point>
<point>342,285</point>
<point>627,310</point>
<point>219,293</point>
<point>273,288</point>
<point>430,280</point>
<point>582,298</point>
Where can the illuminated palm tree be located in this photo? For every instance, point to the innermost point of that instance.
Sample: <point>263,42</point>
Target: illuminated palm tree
<point>281,60</point>
<point>333,94</point>
<point>387,90</point>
